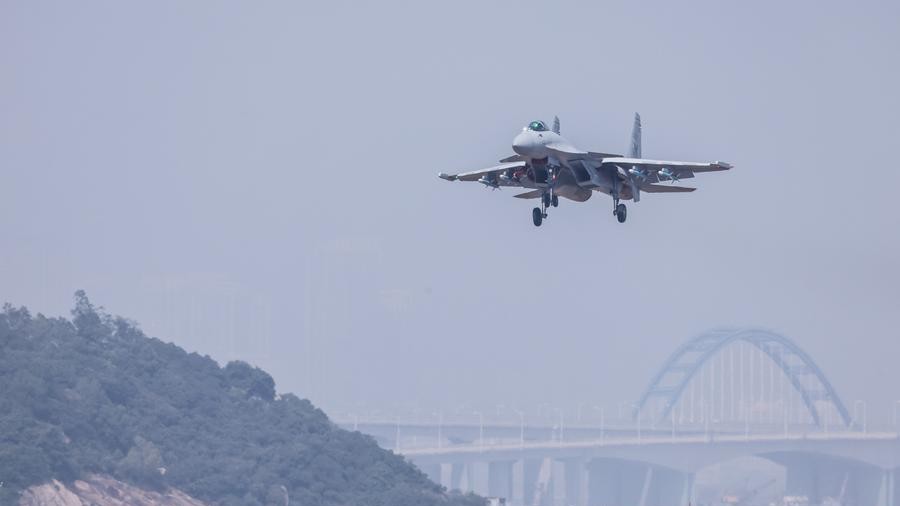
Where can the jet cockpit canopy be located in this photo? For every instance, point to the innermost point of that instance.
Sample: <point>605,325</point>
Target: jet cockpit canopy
<point>537,126</point>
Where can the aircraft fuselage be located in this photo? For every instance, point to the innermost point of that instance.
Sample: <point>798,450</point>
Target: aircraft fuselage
<point>533,146</point>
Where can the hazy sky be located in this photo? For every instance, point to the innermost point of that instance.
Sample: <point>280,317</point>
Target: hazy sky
<point>256,180</point>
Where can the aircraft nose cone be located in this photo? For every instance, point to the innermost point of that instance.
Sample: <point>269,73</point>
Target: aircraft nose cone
<point>521,144</point>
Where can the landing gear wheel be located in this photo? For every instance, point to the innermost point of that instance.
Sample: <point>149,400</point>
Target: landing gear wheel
<point>545,198</point>
<point>554,201</point>
<point>621,212</point>
<point>537,216</point>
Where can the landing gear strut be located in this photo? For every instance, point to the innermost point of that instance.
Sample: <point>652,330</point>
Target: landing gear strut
<point>620,211</point>
<point>539,213</point>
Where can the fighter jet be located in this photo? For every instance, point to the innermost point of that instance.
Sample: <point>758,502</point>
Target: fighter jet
<point>551,167</point>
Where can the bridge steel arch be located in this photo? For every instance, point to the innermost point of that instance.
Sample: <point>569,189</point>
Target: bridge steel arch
<point>677,372</point>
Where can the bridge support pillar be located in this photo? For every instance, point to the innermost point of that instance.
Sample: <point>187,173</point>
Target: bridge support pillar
<point>517,492</point>
<point>811,478</point>
<point>535,475</point>
<point>871,485</point>
<point>500,479</point>
<point>615,482</point>
<point>667,487</point>
<point>887,494</point>
<point>478,475</point>
<point>687,490</point>
<point>456,477</point>
<point>645,487</point>
<point>570,482</point>
<point>446,480</point>
<point>885,491</point>
<point>819,478</point>
<point>893,493</point>
<point>577,482</point>
<point>543,483</point>
<point>558,481</point>
<point>450,476</point>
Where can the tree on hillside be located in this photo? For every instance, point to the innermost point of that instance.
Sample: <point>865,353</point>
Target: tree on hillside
<point>253,381</point>
<point>88,319</point>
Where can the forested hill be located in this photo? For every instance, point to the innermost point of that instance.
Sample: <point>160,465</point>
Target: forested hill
<point>95,395</point>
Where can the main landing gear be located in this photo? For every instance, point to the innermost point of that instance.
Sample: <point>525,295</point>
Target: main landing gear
<point>620,211</point>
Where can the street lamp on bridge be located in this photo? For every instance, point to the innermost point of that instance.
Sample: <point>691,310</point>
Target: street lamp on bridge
<point>603,422</point>
<point>521,426</point>
<point>480,428</point>
<point>561,421</point>
<point>501,407</point>
<point>860,405</point>
<point>440,435</point>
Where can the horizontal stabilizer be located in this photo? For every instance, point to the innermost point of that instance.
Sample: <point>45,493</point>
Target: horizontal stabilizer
<point>534,194</point>
<point>664,188</point>
<point>513,158</point>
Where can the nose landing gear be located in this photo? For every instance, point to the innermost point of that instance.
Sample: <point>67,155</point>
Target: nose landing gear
<point>539,213</point>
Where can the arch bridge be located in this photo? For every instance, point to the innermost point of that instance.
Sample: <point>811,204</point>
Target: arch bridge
<point>721,360</point>
<point>727,379</point>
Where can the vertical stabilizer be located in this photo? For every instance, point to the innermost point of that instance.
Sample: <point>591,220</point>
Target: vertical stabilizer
<point>556,124</point>
<point>635,151</point>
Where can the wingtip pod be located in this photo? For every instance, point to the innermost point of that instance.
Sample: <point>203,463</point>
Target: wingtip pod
<point>724,165</point>
<point>446,177</point>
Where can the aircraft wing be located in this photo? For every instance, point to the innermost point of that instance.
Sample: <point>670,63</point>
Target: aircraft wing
<point>489,173</point>
<point>665,170</point>
<point>657,165</point>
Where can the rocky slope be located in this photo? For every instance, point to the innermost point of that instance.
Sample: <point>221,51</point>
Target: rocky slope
<point>96,490</point>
